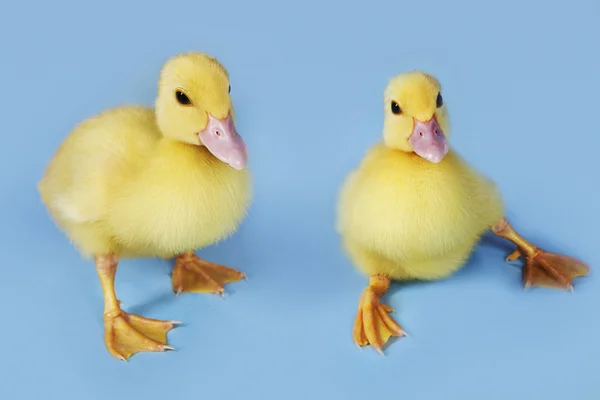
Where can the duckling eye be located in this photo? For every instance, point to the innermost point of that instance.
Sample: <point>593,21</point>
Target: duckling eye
<point>396,108</point>
<point>229,90</point>
<point>182,98</point>
<point>439,101</point>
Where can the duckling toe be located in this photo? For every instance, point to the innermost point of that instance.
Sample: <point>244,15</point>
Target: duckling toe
<point>514,256</point>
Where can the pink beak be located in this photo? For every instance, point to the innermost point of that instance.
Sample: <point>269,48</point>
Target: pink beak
<point>428,141</point>
<point>222,139</point>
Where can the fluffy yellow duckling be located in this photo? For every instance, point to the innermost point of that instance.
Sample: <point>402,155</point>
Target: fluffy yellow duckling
<point>414,209</point>
<point>141,182</point>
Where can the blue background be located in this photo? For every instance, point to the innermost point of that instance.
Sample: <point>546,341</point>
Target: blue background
<point>522,86</point>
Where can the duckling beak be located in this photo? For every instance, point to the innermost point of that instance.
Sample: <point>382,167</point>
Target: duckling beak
<point>222,139</point>
<point>428,140</point>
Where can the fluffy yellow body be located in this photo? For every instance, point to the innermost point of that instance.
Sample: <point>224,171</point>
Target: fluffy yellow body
<point>406,218</point>
<point>117,186</point>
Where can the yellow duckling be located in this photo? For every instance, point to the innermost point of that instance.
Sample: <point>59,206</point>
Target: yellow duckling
<point>414,209</point>
<point>141,182</point>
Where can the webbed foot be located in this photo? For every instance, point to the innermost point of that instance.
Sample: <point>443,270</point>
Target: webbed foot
<point>542,268</point>
<point>193,274</point>
<point>373,325</point>
<point>126,334</point>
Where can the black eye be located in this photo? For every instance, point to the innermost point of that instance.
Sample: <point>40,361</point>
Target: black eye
<point>396,108</point>
<point>182,98</point>
<point>229,90</point>
<point>439,101</point>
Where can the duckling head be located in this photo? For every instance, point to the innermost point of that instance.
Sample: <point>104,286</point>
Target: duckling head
<point>415,117</point>
<point>194,106</point>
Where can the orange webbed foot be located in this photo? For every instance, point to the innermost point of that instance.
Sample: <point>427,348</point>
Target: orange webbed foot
<point>542,268</point>
<point>127,334</point>
<point>373,325</point>
<point>192,274</point>
<point>551,270</point>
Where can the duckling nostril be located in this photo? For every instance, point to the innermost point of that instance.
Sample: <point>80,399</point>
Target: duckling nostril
<point>218,133</point>
<point>421,133</point>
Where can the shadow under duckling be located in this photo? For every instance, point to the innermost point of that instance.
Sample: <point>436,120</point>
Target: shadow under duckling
<point>414,209</point>
<point>161,182</point>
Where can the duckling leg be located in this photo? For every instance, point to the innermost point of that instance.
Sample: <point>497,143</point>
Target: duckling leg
<point>373,325</point>
<point>192,274</point>
<point>126,334</point>
<point>542,268</point>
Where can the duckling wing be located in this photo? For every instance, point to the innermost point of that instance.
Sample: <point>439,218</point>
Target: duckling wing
<point>99,154</point>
